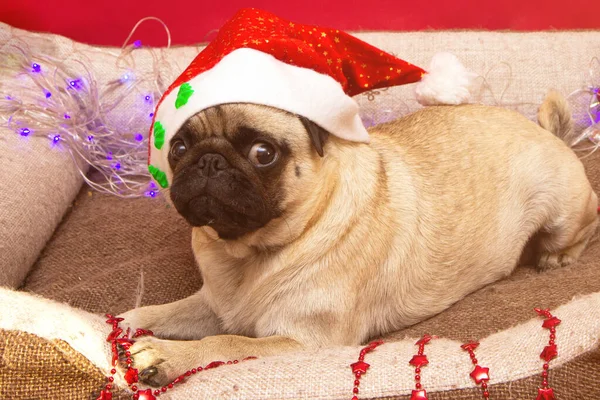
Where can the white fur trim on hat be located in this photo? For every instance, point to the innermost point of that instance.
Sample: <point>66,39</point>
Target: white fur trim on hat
<point>251,76</point>
<point>446,82</point>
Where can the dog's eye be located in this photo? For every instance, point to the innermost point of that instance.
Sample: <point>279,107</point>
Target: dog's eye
<point>262,154</point>
<point>178,150</point>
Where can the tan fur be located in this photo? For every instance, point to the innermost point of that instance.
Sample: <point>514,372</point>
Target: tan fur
<point>378,237</point>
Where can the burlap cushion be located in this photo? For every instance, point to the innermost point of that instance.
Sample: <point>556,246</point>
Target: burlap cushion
<point>96,257</point>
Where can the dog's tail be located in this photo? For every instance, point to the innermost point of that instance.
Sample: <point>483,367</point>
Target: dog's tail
<point>554,115</point>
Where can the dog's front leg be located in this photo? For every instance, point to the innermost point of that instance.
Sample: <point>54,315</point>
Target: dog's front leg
<point>160,361</point>
<point>186,319</point>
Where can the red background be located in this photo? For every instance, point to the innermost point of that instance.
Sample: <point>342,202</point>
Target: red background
<point>108,22</point>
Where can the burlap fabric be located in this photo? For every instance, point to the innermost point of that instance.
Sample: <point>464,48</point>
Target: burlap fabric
<point>96,257</point>
<point>35,368</point>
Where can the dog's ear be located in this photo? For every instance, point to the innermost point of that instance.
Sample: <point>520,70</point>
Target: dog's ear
<point>317,134</point>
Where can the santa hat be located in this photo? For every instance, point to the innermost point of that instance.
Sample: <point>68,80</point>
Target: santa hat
<point>310,71</point>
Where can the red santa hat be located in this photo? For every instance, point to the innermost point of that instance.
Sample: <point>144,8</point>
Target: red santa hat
<point>311,71</point>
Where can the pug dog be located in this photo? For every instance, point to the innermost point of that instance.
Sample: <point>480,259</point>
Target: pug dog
<point>306,240</point>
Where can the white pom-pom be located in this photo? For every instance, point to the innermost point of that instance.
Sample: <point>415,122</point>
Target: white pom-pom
<point>446,82</point>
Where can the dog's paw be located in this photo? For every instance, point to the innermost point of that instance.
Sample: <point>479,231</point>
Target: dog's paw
<point>554,260</point>
<point>159,361</point>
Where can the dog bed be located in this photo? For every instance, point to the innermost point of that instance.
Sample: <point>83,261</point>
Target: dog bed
<point>74,254</point>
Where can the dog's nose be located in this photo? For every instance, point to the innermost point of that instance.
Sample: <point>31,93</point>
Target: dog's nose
<point>211,164</point>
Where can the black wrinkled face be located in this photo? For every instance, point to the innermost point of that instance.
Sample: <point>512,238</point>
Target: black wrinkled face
<point>228,163</point>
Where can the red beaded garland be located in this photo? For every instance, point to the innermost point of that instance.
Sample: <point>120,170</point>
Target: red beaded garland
<point>118,337</point>
<point>548,353</point>
<point>479,374</point>
<point>419,360</point>
<point>360,367</point>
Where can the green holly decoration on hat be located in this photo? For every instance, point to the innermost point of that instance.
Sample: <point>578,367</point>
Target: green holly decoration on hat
<point>159,176</point>
<point>184,94</point>
<point>159,135</point>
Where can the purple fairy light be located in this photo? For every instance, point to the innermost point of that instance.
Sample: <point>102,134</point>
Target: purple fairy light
<point>67,116</point>
<point>35,67</point>
<point>24,132</point>
<point>148,98</point>
<point>117,166</point>
<point>127,77</point>
<point>109,155</point>
<point>139,137</point>
<point>137,44</point>
<point>48,94</point>
<point>90,137</point>
<point>75,84</point>
<point>56,139</point>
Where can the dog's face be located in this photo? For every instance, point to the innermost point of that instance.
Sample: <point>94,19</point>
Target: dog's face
<point>236,167</point>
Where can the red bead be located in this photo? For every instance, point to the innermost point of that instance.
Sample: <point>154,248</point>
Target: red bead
<point>545,374</point>
<point>157,392</point>
<point>194,370</point>
<point>480,374</point>
<point>128,353</point>
<point>417,370</point>
<point>163,389</point>
<point>354,398</point>
<point>131,376</point>
<point>134,388</point>
<point>545,383</point>
<point>108,387</point>
<point>417,377</point>
<point>418,395</point>
<point>418,385</point>
<point>214,364</point>
<point>551,323</point>
<point>147,394</point>
<point>113,371</point>
<point>129,361</point>
<point>470,346</point>
<point>105,395</point>
<point>229,362</point>
<point>235,361</point>
<point>114,334</point>
<point>486,394</point>
<point>200,369</point>
<point>418,361</point>
<point>424,340</point>
<point>359,366</point>
<point>188,373</point>
<point>356,382</point>
<point>545,394</point>
<point>549,352</point>
<point>355,390</point>
<point>111,379</point>
<point>546,366</point>
<point>484,385</point>
<point>474,361</point>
